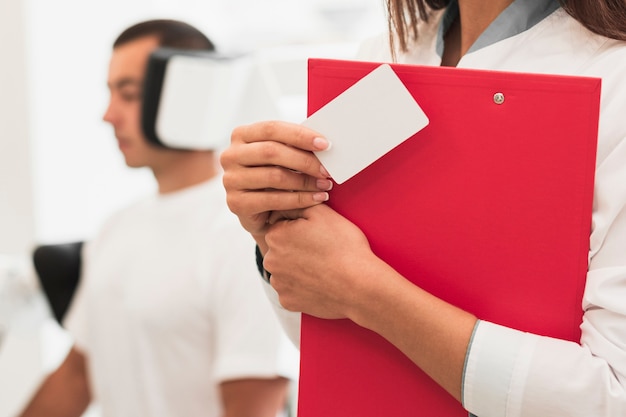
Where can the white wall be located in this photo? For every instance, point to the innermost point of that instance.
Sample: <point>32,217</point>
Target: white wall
<point>16,195</point>
<point>61,173</point>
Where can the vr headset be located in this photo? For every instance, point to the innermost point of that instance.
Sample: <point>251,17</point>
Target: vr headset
<point>193,99</point>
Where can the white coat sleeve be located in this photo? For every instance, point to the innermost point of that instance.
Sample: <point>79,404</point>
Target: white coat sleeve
<point>514,374</point>
<point>289,320</point>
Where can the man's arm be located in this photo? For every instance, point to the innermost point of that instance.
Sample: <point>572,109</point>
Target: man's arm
<point>254,397</point>
<point>65,393</point>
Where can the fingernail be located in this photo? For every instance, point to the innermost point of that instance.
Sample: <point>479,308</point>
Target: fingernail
<point>325,185</point>
<point>321,197</point>
<point>321,144</point>
<point>324,172</point>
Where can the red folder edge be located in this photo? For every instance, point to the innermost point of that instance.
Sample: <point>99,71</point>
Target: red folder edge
<point>489,208</point>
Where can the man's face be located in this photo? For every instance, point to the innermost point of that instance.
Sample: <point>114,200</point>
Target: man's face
<point>125,81</point>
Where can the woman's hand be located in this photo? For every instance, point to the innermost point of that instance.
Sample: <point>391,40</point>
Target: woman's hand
<point>320,263</point>
<point>270,166</point>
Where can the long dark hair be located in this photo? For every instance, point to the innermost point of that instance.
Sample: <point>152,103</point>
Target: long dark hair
<point>604,17</point>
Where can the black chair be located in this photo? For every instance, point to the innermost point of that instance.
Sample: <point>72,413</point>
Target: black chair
<point>58,268</point>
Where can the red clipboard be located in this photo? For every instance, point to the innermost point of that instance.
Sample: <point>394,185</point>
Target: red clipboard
<point>488,207</point>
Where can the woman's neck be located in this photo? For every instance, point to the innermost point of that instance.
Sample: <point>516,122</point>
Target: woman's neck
<point>474,17</point>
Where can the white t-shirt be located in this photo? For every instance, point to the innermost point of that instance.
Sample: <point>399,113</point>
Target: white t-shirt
<point>170,304</point>
<point>514,374</point>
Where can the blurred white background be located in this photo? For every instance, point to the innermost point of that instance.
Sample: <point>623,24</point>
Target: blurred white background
<point>60,171</point>
<point>61,174</point>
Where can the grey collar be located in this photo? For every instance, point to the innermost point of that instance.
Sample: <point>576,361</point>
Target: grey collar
<point>520,16</point>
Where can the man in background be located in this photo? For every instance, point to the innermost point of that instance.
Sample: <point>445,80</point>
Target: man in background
<point>169,318</point>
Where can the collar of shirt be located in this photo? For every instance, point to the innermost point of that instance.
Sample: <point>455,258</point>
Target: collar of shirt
<point>519,16</point>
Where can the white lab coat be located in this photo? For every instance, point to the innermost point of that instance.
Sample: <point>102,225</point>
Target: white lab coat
<point>514,374</point>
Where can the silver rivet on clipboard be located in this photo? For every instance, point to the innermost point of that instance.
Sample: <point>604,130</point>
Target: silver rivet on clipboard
<point>498,98</point>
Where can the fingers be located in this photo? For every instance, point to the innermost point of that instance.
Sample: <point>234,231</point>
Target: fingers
<point>253,191</point>
<point>277,154</point>
<point>252,146</point>
<point>270,167</point>
<point>290,134</point>
<point>254,202</point>
<point>277,216</point>
<point>273,177</point>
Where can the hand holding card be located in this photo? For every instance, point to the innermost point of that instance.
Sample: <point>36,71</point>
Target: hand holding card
<point>365,122</point>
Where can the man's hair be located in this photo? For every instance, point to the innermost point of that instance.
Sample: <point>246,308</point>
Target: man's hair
<point>604,17</point>
<point>170,34</point>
